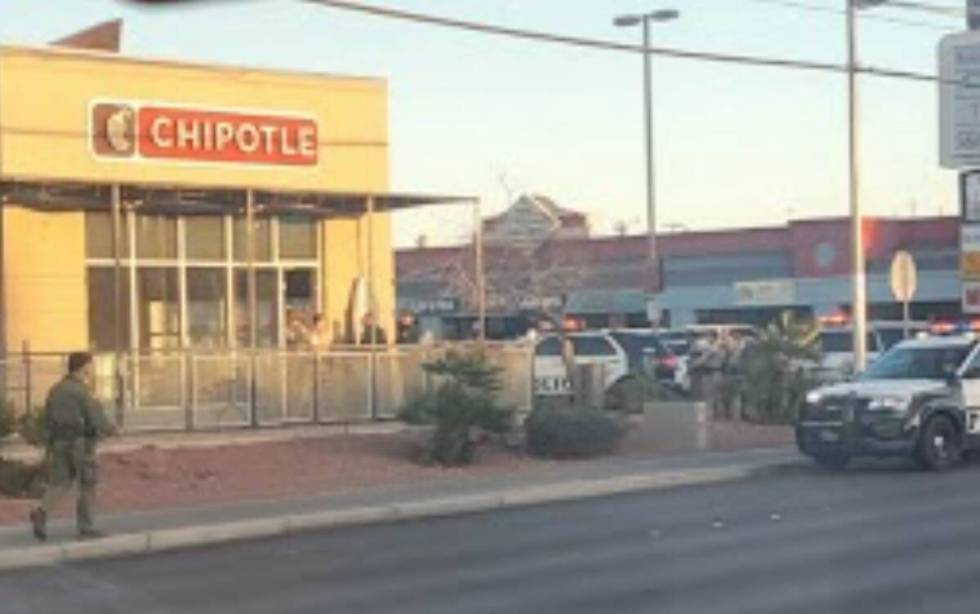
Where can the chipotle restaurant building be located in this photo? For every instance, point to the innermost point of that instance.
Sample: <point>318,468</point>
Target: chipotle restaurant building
<point>150,206</point>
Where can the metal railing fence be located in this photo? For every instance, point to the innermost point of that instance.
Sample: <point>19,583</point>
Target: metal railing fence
<point>185,391</point>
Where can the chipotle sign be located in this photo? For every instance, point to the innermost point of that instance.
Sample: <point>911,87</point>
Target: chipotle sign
<point>127,130</point>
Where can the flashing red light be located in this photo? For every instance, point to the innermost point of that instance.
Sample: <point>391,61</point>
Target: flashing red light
<point>943,328</point>
<point>667,362</point>
<point>834,319</point>
<point>571,325</point>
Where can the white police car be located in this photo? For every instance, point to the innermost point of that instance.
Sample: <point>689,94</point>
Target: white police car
<point>919,399</point>
<point>598,348</point>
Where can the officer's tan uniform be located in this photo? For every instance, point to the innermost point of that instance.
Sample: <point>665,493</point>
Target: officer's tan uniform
<point>74,421</point>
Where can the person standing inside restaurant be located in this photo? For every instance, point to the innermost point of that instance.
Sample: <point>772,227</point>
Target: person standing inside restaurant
<point>318,334</point>
<point>74,421</point>
<point>372,334</point>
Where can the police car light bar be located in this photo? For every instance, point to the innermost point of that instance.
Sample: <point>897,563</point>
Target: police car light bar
<point>952,328</point>
<point>834,319</point>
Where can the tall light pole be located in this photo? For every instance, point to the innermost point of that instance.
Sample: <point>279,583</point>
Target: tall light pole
<point>645,19</point>
<point>859,294</point>
<point>859,299</point>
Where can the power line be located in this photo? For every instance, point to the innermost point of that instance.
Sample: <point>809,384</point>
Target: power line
<point>940,9</point>
<point>608,45</point>
<point>818,8</point>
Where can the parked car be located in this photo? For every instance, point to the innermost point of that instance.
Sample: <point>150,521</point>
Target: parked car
<point>647,354</point>
<point>551,377</point>
<point>713,331</point>
<point>920,399</point>
<point>678,341</point>
<point>683,341</point>
<point>837,346</point>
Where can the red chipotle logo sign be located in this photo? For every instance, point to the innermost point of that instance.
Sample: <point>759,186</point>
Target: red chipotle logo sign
<point>151,131</point>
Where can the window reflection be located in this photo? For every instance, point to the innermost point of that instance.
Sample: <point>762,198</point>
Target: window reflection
<point>207,322</point>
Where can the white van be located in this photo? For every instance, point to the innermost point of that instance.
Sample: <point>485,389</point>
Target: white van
<point>837,346</point>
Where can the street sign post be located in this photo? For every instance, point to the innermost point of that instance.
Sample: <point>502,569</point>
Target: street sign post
<point>655,314</point>
<point>959,100</point>
<point>904,280</point>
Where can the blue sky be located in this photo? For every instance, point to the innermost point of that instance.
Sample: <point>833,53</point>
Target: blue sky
<point>473,114</point>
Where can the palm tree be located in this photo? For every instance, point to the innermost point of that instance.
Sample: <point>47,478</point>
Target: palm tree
<point>774,374</point>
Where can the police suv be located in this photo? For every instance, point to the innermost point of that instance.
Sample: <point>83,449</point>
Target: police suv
<point>599,348</point>
<point>919,399</point>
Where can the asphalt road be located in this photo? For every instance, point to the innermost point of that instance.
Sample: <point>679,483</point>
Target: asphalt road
<point>876,539</point>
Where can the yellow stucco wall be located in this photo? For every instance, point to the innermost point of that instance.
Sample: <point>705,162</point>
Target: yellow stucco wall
<point>345,257</point>
<point>44,280</point>
<point>384,274</point>
<point>45,96</point>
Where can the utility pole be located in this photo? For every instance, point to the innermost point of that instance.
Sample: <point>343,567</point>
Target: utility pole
<point>859,303</point>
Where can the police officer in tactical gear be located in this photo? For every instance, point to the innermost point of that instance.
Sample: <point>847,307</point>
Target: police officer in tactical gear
<point>74,421</point>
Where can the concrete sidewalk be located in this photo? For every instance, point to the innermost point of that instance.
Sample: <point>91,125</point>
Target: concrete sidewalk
<point>179,528</point>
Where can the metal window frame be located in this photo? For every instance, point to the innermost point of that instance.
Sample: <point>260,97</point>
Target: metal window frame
<point>183,264</point>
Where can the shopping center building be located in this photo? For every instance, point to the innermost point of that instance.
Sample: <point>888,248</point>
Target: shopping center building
<point>127,184</point>
<point>744,275</point>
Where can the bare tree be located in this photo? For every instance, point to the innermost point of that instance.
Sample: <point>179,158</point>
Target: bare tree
<point>533,279</point>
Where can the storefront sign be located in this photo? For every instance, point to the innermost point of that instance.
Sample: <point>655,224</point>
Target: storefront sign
<point>430,306</point>
<point>959,100</point>
<point>971,297</point>
<point>524,302</point>
<point>151,131</point>
<point>777,293</point>
<point>970,251</point>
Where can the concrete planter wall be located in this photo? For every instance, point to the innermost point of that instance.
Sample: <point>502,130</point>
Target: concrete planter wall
<point>674,425</point>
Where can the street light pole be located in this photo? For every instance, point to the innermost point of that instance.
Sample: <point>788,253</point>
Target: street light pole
<point>859,288</point>
<point>859,304</point>
<point>644,21</point>
<point>648,126</point>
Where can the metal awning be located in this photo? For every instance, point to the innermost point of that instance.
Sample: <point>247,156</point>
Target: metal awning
<point>249,202</point>
<point>75,195</point>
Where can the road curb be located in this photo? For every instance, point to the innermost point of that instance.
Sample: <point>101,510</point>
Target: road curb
<point>202,535</point>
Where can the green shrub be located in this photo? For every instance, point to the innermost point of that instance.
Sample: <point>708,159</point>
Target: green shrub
<point>571,433</point>
<point>8,420</point>
<point>464,401</point>
<point>30,427</point>
<point>774,377</point>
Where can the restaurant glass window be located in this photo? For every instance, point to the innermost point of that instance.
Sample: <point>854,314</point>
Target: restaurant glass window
<point>205,237</point>
<point>207,312</point>
<point>300,305</point>
<point>300,284</point>
<point>108,324</point>
<point>263,239</point>
<point>98,235</point>
<point>156,237</point>
<point>297,237</point>
<point>158,303</point>
<point>267,307</point>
